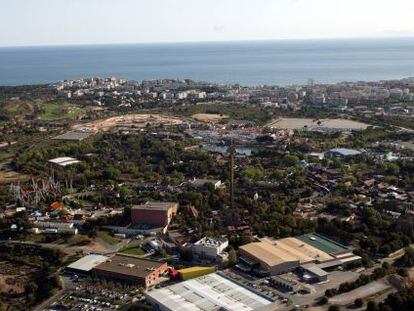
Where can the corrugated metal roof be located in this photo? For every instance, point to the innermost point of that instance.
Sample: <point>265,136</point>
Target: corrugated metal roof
<point>210,292</point>
<point>88,262</point>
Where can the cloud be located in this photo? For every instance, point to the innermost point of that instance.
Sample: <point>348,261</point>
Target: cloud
<point>218,28</point>
<point>395,33</point>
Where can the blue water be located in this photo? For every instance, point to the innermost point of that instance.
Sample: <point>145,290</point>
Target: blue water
<point>247,63</point>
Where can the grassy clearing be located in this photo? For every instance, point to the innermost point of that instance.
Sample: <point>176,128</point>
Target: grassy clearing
<point>13,108</point>
<point>133,251</point>
<point>107,238</point>
<point>78,240</point>
<point>59,111</point>
<point>72,258</point>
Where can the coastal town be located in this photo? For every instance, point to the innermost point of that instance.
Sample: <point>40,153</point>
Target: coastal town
<point>187,195</point>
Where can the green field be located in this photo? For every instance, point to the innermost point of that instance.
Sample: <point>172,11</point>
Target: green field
<point>133,251</point>
<point>59,111</point>
<point>45,111</point>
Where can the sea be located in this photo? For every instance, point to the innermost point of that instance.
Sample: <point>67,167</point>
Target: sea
<point>247,63</point>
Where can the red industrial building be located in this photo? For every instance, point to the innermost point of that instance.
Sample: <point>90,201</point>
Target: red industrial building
<point>131,269</point>
<point>154,213</point>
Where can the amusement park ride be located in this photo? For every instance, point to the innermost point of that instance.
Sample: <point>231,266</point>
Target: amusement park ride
<point>31,194</point>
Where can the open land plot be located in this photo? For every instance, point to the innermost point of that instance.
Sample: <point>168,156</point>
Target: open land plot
<point>107,238</point>
<point>209,117</point>
<point>360,292</point>
<point>6,144</point>
<point>335,279</point>
<point>59,111</point>
<point>14,277</point>
<point>130,120</point>
<point>7,177</point>
<point>315,124</point>
<point>138,251</point>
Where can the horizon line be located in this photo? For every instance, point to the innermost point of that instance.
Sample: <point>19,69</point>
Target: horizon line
<point>209,41</point>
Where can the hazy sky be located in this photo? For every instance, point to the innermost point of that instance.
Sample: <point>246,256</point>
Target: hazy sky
<point>44,22</point>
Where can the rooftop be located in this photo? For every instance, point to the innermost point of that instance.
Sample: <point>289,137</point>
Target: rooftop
<point>345,151</point>
<point>324,244</point>
<point>74,135</point>
<point>211,242</point>
<point>64,161</point>
<point>158,206</point>
<point>202,182</point>
<point>209,292</point>
<point>274,252</point>
<point>315,269</point>
<point>88,262</point>
<point>129,265</point>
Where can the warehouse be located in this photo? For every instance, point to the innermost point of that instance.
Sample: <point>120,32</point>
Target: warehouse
<point>63,161</point>
<point>209,292</point>
<point>343,153</point>
<point>131,269</point>
<point>313,253</point>
<point>75,135</point>
<point>84,265</point>
<point>280,256</point>
<point>54,227</point>
<point>323,243</point>
<point>194,272</point>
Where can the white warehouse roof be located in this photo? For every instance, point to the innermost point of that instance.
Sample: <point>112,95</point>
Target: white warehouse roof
<point>64,161</point>
<point>87,263</point>
<point>209,292</point>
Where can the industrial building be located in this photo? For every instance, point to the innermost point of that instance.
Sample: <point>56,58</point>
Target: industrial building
<point>131,269</point>
<point>343,153</point>
<point>157,214</point>
<point>210,292</point>
<point>85,265</point>
<point>282,255</point>
<point>194,272</point>
<point>311,254</point>
<point>75,135</point>
<point>200,183</point>
<point>54,227</point>
<point>63,161</point>
<point>210,248</point>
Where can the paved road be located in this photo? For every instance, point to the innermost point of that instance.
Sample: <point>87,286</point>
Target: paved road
<point>335,278</point>
<point>67,285</point>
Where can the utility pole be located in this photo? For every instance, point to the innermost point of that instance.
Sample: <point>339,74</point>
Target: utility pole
<point>233,217</point>
<point>232,150</point>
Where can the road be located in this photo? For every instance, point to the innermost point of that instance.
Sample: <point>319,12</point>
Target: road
<point>67,285</point>
<point>335,279</point>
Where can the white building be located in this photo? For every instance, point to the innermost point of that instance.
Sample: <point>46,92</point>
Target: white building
<point>85,264</point>
<point>64,161</point>
<point>199,183</point>
<point>54,227</point>
<point>210,248</point>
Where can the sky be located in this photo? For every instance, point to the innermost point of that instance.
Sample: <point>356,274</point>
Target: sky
<point>61,22</point>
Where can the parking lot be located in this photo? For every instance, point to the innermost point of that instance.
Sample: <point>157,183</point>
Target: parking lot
<point>96,295</point>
